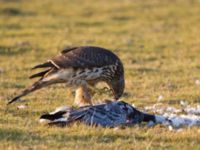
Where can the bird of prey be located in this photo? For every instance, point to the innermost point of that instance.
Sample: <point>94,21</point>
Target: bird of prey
<point>110,114</point>
<point>80,67</point>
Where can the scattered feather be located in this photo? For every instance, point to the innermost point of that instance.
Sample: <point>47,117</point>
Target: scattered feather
<point>160,98</point>
<point>21,106</point>
<point>187,116</point>
<point>197,82</point>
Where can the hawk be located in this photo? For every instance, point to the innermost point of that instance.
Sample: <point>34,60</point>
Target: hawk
<point>80,67</point>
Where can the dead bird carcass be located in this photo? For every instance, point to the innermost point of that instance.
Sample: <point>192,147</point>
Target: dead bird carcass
<point>111,114</point>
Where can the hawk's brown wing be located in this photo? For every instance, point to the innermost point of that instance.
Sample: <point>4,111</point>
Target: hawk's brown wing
<point>84,57</point>
<point>80,58</point>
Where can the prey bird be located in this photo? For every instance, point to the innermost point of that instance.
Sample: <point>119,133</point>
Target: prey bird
<point>110,114</point>
<point>80,67</point>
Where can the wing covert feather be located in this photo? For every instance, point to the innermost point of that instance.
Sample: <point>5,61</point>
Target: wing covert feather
<point>85,57</point>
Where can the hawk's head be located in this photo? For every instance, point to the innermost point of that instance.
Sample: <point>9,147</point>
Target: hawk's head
<point>117,86</point>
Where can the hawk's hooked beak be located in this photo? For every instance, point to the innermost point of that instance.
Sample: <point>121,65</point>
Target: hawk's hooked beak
<point>117,87</point>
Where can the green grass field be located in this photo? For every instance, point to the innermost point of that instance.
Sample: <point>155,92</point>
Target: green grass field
<point>158,42</point>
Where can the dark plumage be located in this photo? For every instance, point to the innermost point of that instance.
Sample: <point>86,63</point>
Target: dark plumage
<point>110,114</point>
<point>80,67</point>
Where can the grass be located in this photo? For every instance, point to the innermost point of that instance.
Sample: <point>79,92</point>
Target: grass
<point>158,42</point>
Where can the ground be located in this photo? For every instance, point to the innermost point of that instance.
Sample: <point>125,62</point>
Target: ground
<point>158,42</point>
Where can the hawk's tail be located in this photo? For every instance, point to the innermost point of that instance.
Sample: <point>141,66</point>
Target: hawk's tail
<point>42,82</point>
<point>37,85</point>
